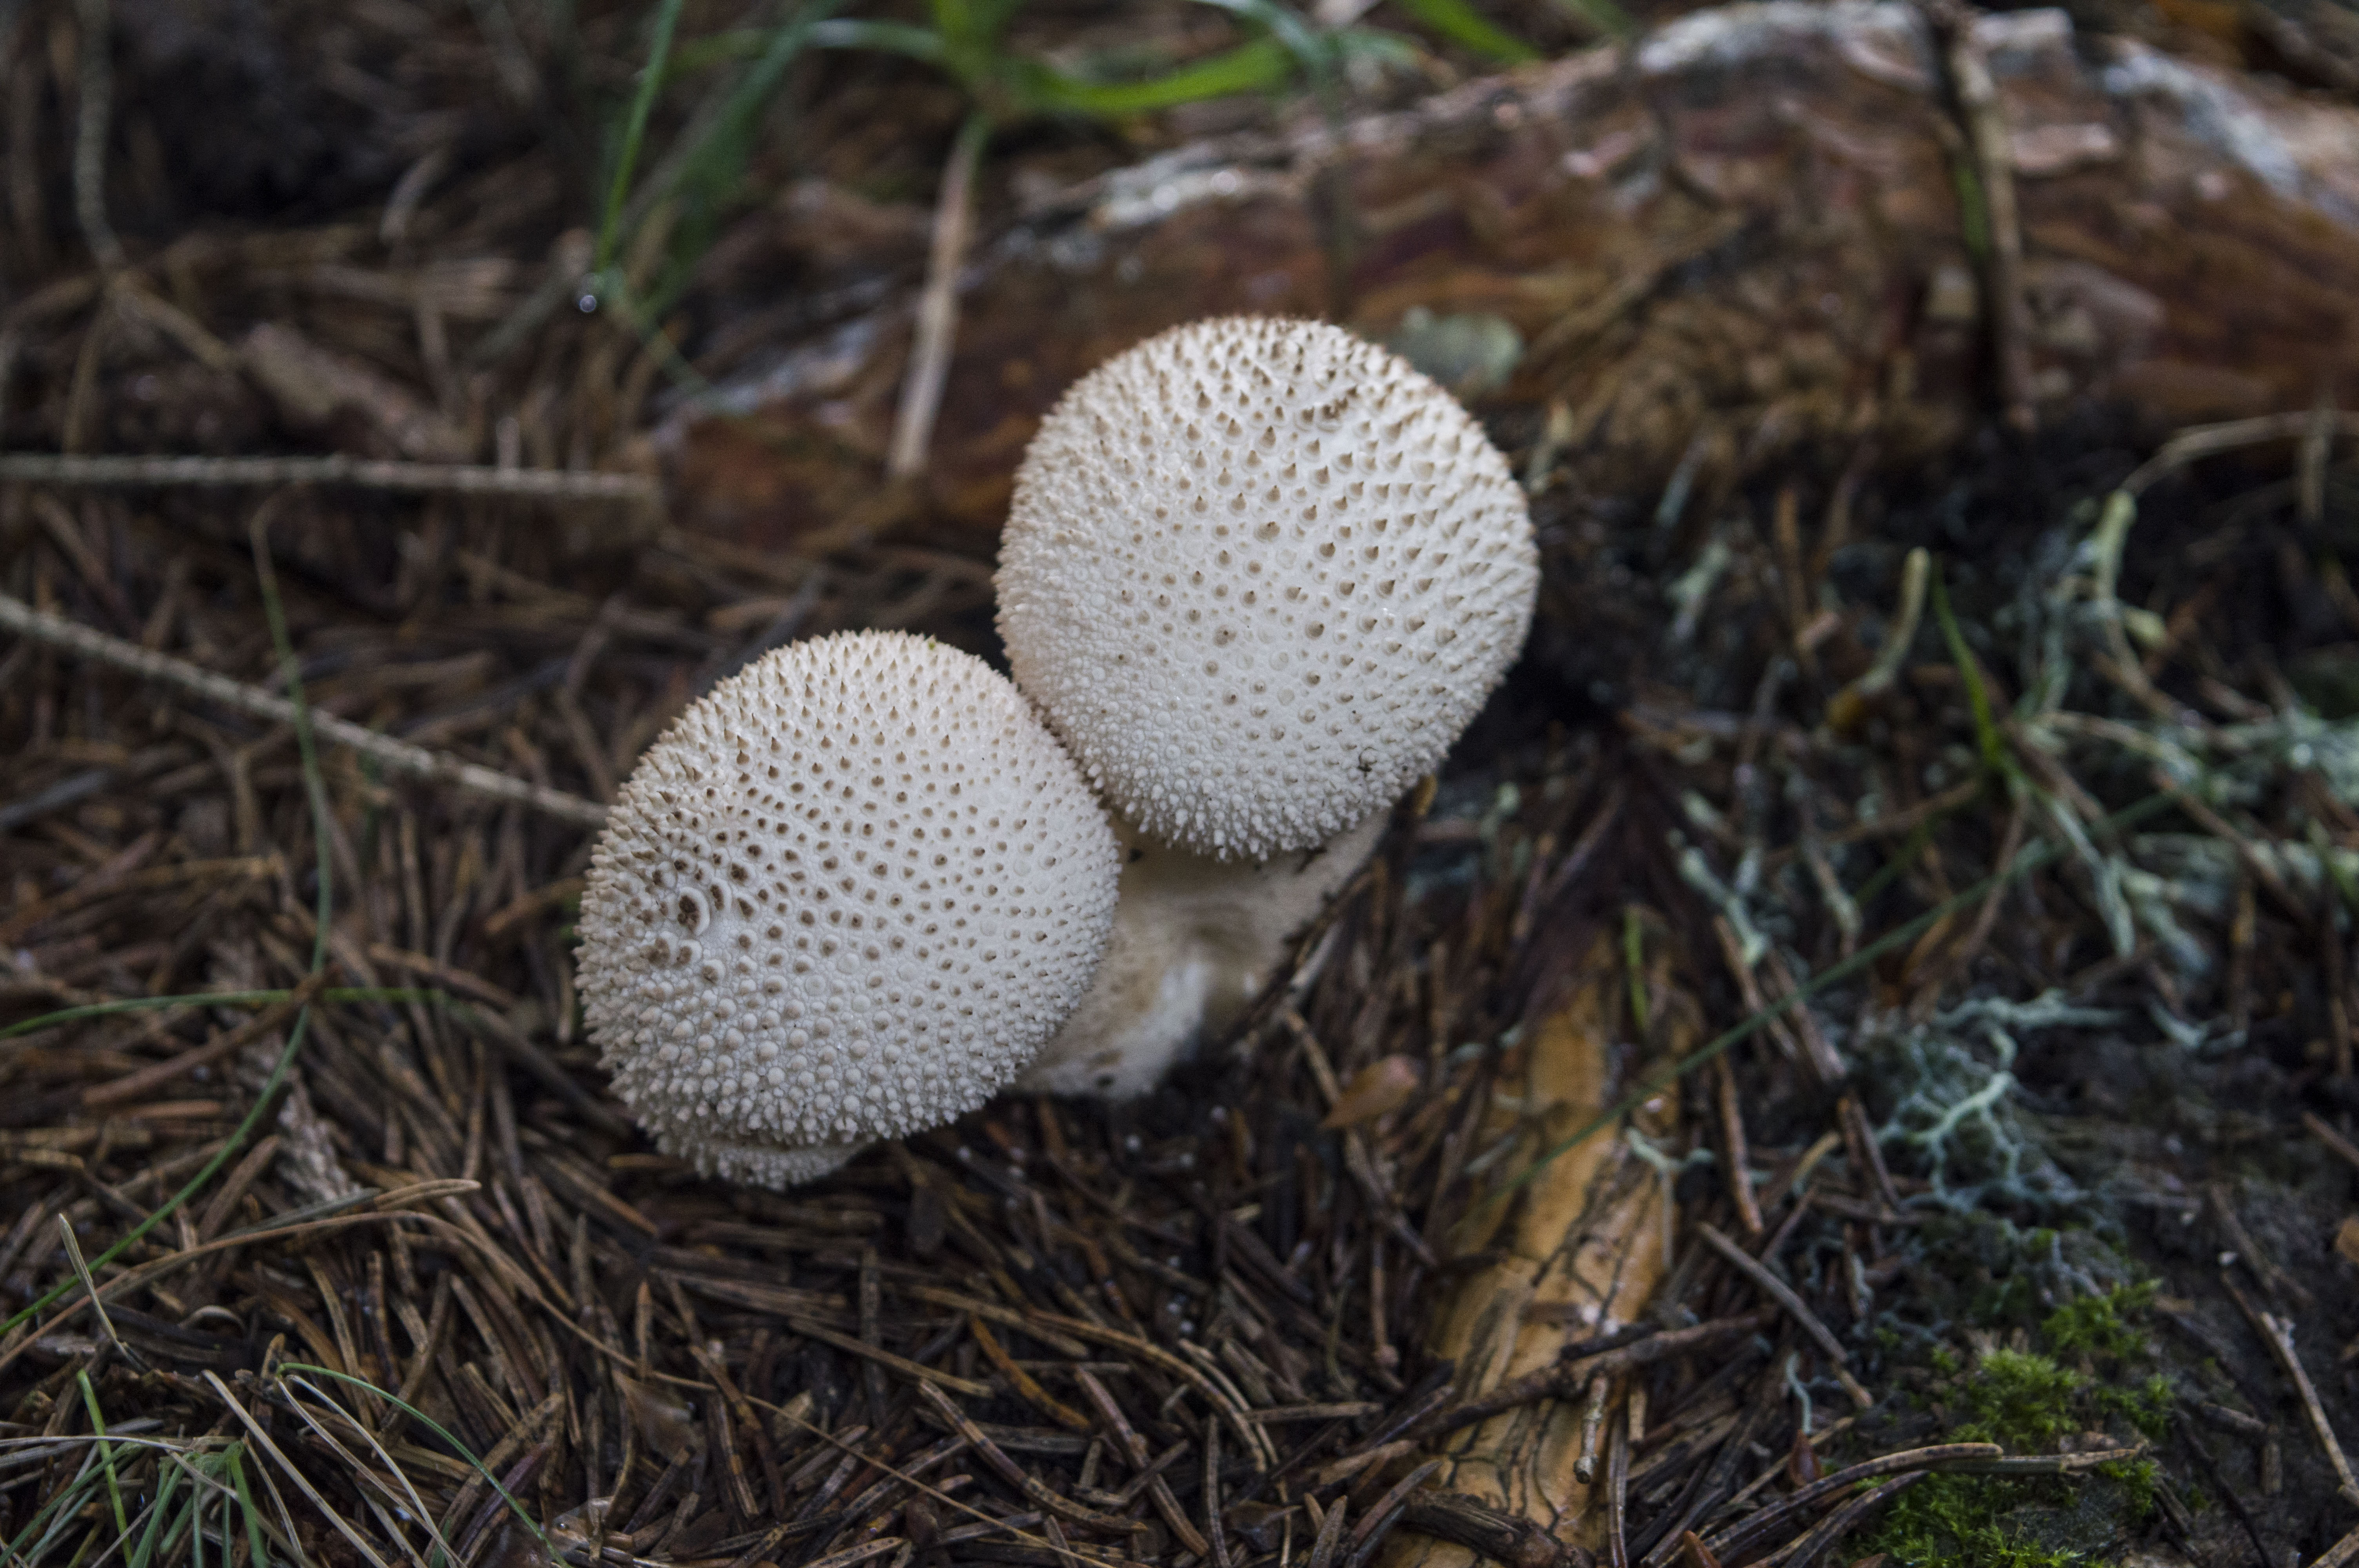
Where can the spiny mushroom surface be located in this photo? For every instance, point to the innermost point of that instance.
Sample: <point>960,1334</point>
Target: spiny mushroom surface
<point>846,896</point>
<point>1259,574</point>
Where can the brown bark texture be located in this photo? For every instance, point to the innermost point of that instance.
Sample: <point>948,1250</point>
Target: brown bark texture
<point>1759,228</point>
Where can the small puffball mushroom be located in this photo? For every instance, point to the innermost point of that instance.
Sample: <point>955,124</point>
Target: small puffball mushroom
<point>846,896</point>
<point>1259,574</point>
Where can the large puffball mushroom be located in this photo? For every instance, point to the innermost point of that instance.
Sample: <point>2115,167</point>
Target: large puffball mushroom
<point>1260,574</point>
<point>846,896</point>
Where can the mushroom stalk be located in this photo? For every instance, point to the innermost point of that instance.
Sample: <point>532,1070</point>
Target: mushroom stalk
<point>1195,941</point>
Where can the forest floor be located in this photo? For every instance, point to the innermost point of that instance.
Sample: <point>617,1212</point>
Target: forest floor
<point>1946,869</point>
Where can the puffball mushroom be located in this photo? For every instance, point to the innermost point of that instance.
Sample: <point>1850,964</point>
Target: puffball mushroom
<point>846,896</point>
<point>1259,574</point>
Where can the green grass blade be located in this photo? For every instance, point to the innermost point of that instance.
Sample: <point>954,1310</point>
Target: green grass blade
<point>635,131</point>
<point>66,1502</point>
<point>258,1557</point>
<point>437,1429</point>
<point>168,1481</point>
<point>1986,735</point>
<point>1470,29</point>
<point>1261,66</point>
<point>1905,857</point>
<point>1313,49</point>
<point>105,1449</point>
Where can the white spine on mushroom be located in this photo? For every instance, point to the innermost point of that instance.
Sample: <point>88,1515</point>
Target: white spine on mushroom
<point>1260,574</point>
<point>846,896</point>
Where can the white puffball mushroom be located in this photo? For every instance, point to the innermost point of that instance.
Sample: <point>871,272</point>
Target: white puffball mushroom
<point>846,896</point>
<point>1260,574</point>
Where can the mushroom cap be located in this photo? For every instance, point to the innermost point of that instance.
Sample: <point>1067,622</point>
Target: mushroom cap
<point>847,895</point>
<point>1260,574</point>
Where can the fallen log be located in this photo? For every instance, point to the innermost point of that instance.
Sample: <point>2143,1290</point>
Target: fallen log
<point>1742,237</point>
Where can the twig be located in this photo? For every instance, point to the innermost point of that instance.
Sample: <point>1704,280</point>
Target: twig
<point>1016,1475</point>
<point>2342,1552</point>
<point>1738,1151</point>
<point>1476,1525</point>
<point>1369,1534</point>
<point>96,90</point>
<point>2325,1133</point>
<point>2209,440</point>
<point>937,325</point>
<point>1846,1519</point>
<point>1778,1291</point>
<point>1743,1537</point>
<point>2317,445</point>
<point>2277,1335</point>
<point>1617,1482</point>
<point>455,478</point>
<point>1565,1376</point>
<point>400,756</point>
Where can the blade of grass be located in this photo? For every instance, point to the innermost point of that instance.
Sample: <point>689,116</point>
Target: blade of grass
<point>416,1504</point>
<point>1905,857</point>
<point>268,1448</point>
<point>1260,66</point>
<point>1634,967</point>
<point>2030,858</point>
<point>437,1428</point>
<point>1315,50</point>
<point>256,1557</point>
<point>635,131</point>
<point>64,1505</point>
<point>1992,745</point>
<point>168,1481</point>
<point>98,1429</point>
<point>1470,29</point>
<point>121,1540</point>
<point>907,38</point>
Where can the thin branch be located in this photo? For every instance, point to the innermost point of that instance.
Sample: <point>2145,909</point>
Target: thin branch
<point>400,756</point>
<point>1778,1291</point>
<point>457,478</point>
<point>937,328</point>
<point>2276,1333</point>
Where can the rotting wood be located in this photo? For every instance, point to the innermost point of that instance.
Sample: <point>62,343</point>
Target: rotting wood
<point>1584,1237</point>
<point>1811,159</point>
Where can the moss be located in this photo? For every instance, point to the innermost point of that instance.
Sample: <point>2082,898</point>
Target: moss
<point>2099,1325</point>
<point>2027,1400</point>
